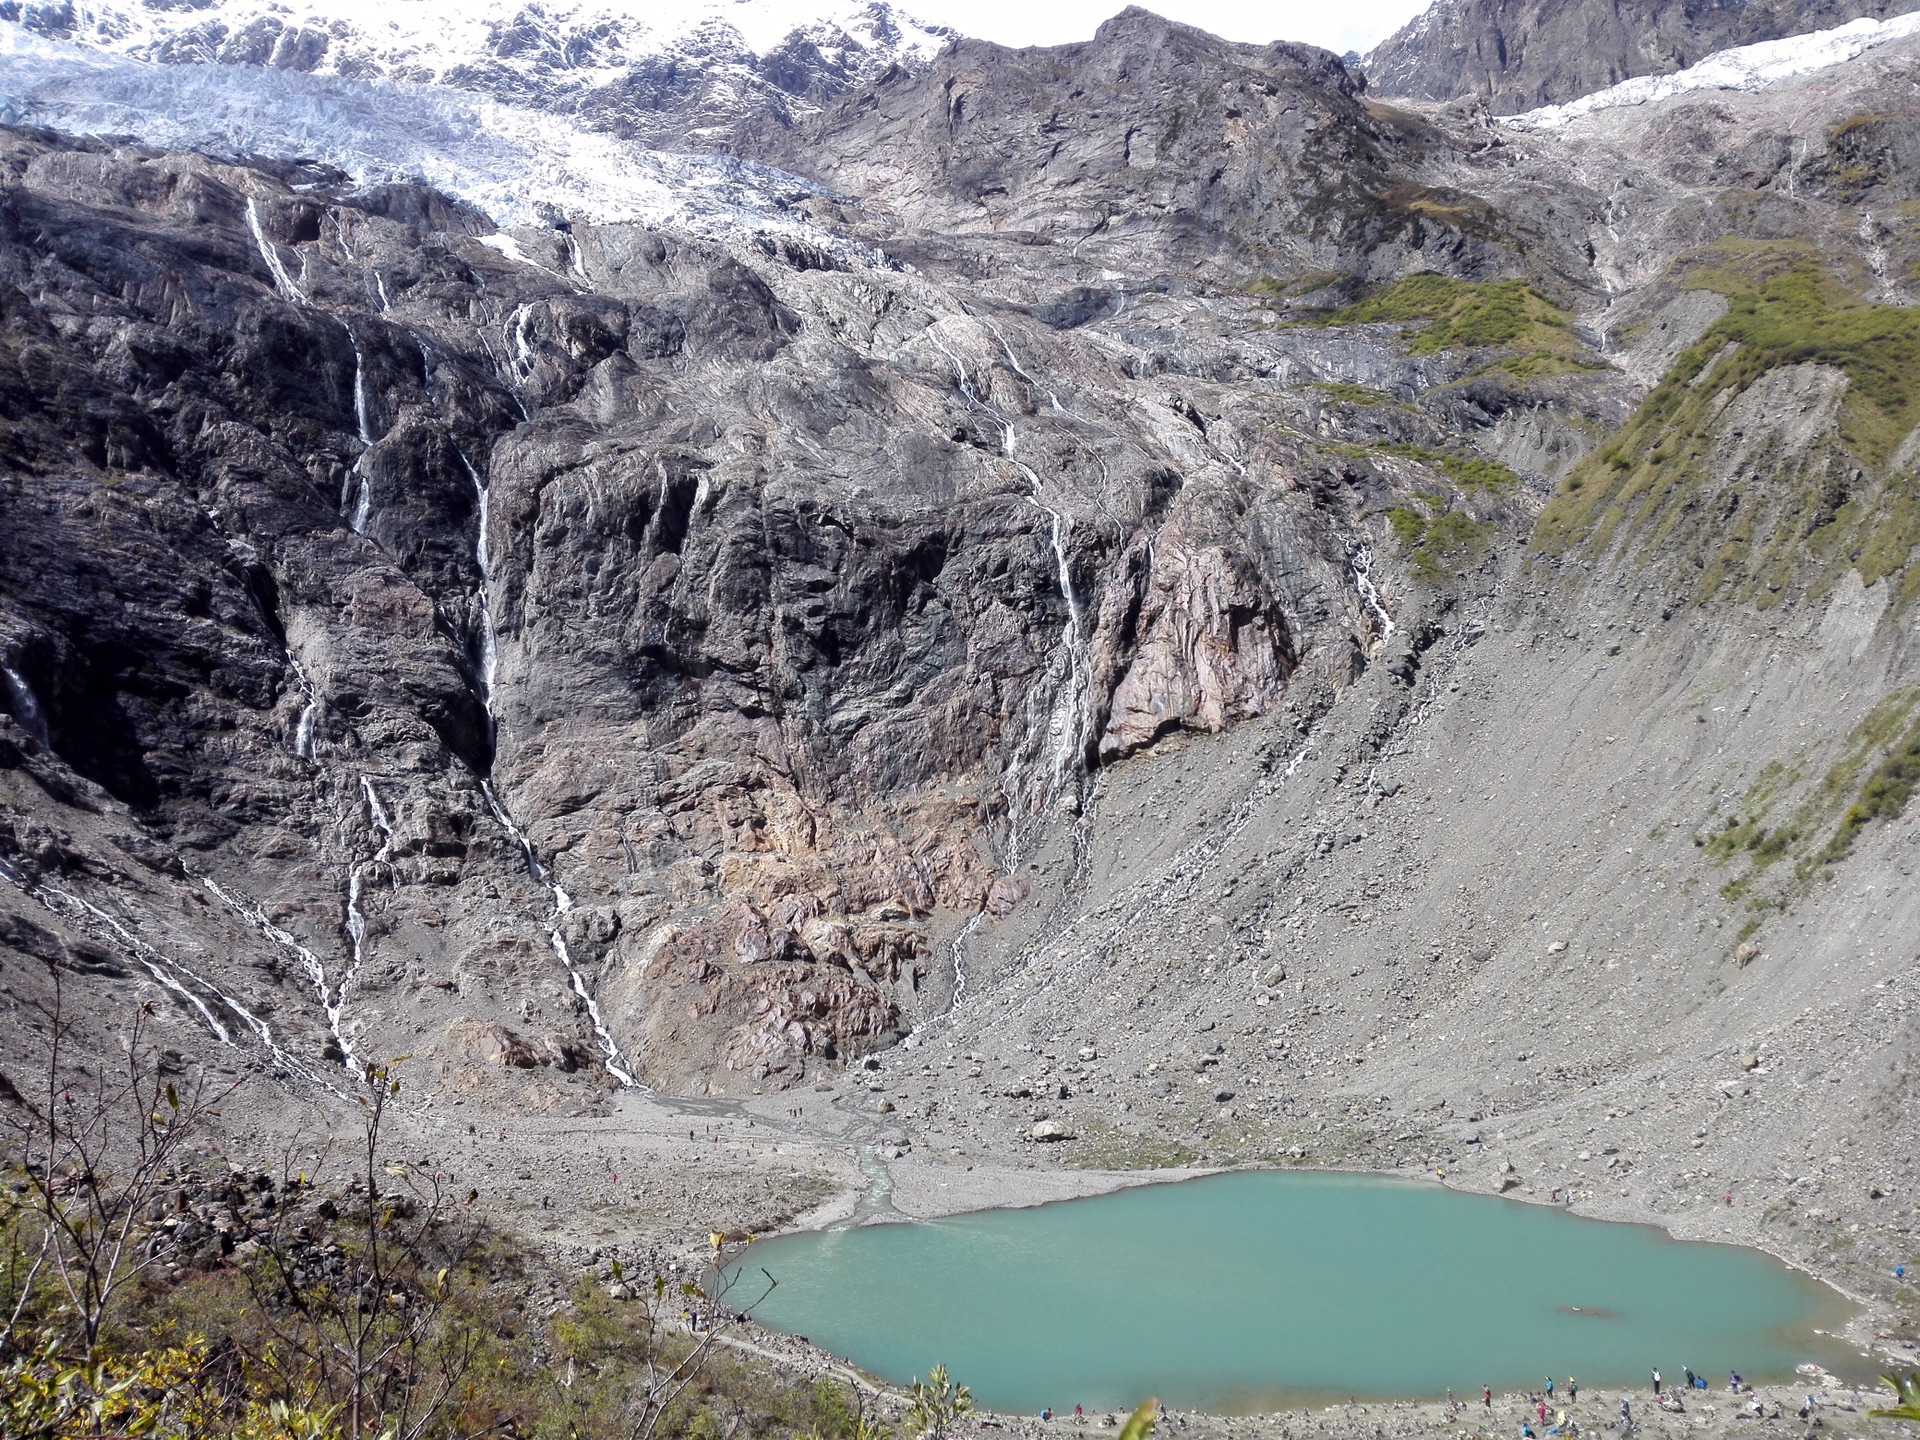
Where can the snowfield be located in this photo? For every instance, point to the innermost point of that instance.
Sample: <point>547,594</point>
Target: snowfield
<point>520,166</point>
<point>1749,67</point>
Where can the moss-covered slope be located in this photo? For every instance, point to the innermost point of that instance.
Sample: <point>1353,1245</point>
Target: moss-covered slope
<point>1774,455</point>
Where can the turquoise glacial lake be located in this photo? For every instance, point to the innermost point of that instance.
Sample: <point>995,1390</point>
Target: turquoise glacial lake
<point>1260,1289</point>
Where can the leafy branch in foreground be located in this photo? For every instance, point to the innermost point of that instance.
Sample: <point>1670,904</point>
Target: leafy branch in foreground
<point>92,1140</point>
<point>1906,1397</point>
<point>937,1403</point>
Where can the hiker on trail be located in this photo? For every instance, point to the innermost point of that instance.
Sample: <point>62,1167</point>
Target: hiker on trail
<point>1573,1389</point>
<point>1077,1417</point>
<point>1626,1414</point>
<point>1693,1381</point>
<point>1549,1387</point>
<point>1486,1396</point>
<point>1656,1382</point>
<point>1543,1411</point>
<point>1733,1381</point>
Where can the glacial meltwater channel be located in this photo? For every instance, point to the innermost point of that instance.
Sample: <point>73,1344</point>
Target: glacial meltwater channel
<point>1255,1290</point>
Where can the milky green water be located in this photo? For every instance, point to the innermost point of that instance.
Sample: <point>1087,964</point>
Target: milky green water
<point>1246,1291</point>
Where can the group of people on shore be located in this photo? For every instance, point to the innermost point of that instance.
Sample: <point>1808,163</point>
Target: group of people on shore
<point>1535,1426</point>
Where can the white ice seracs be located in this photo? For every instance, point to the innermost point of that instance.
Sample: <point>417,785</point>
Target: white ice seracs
<point>520,166</point>
<point>594,41</point>
<point>1748,67</point>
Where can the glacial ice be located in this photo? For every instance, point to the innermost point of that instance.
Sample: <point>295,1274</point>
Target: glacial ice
<point>1748,67</point>
<point>593,42</point>
<point>520,166</point>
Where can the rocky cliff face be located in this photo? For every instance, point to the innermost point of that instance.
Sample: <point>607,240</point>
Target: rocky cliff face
<point>1519,54</point>
<point>607,643</point>
<point>1153,150</point>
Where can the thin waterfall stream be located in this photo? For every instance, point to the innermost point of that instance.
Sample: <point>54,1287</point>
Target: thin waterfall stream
<point>562,904</point>
<point>26,704</point>
<point>485,665</point>
<point>1065,721</point>
<point>187,984</point>
<point>283,281</point>
<point>1360,562</point>
<point>356,915</point>
<point>332,996</point>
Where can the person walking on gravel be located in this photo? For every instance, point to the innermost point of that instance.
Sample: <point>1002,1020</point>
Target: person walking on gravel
<point>1656,1384</point>
<point>1486,1396</point>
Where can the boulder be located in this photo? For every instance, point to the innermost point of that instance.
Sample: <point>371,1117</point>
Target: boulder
<point>1048,1132</point>
<point>1005,893</point>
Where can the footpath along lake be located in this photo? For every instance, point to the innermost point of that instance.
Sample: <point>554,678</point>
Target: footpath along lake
<point>1254,1290</point>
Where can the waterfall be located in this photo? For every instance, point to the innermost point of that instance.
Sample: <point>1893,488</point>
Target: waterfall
<point>269,252</point>
<point>959,373</point>
<point>303,728</point>
<point>170,974</point>
<point>562,903</point>
<point>486,663</point>
<point>332,998</point>
<point>356,922</point>
<point>1360,562</point>
<point>520,363</point>
<point>1067,718</point>
<point>487,660</point>
<point>1067,723</point>
<point>576,262</point>
<point>26,705</point>
<point>363,426</point>
<point>361,401</point>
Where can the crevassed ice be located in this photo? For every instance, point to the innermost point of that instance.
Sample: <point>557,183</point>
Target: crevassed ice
<point>520,166</point>
<point>1748,67</point>
<point>428,39</point>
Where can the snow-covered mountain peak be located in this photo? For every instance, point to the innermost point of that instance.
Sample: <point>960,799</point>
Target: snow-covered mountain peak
<point>683,72</point>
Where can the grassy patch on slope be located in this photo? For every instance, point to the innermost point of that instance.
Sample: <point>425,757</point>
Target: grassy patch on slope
<point>1462,314</point>
<point>1842,502</point>
<point>1874,776</point>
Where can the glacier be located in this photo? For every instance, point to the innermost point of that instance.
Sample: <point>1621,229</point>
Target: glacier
<point>432,39</point>
<point>676,74</point>
<point>519,166</point>
<point>1746,67</point>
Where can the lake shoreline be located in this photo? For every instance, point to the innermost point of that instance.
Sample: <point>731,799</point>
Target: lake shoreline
<point>1633,1269</point>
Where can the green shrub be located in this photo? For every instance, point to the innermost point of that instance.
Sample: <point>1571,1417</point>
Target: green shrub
<point>1837,507</point>
<point>1461,314</point>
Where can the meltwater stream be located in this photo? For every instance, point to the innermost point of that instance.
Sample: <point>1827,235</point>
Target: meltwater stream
<point>1260,1289</point>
